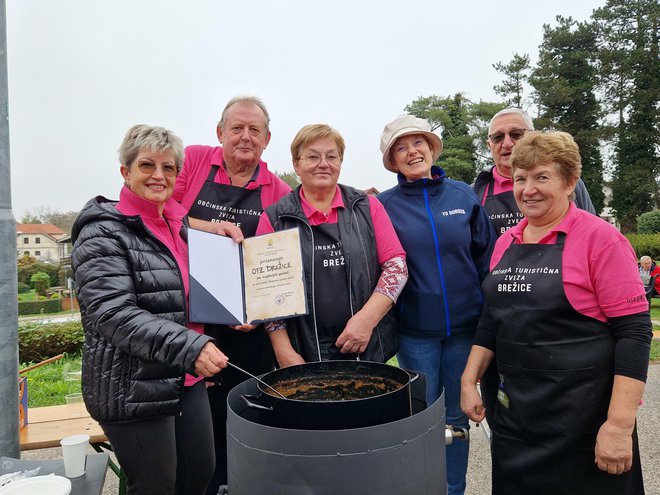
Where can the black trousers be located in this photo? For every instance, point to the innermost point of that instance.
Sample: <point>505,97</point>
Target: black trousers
<point>250,351</point>
<point>167,455</point>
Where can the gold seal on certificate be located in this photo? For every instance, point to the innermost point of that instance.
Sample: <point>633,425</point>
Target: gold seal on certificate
<point>259,280</point>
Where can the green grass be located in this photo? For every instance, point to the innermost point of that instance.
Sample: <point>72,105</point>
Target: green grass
<point>655,309</point>
<point>27,296</point>
<point>655,351</point>
<point>46,384</point>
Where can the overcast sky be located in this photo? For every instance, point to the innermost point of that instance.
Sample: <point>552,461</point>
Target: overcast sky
<point>81,72</point>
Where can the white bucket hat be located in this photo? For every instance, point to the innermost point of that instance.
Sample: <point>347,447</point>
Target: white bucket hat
<point>401,126</point>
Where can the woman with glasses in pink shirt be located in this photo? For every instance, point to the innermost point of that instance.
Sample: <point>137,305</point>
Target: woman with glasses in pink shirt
<point>355,267</point>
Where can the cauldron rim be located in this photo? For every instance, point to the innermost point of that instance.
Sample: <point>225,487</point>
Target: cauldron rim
<point>373,364</point>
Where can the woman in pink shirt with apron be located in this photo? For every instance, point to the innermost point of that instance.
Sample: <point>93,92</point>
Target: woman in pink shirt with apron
<point>572,347</point>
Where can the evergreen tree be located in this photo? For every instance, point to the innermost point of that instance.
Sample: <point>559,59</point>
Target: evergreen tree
<point>516,74</point>
<point>564,81</point>
<point>628,33</point>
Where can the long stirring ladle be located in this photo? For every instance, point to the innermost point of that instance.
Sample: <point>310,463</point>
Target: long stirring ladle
<point>256,378</point>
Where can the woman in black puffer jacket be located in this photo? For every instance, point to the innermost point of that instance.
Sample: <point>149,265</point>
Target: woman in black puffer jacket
<point>143,362</point>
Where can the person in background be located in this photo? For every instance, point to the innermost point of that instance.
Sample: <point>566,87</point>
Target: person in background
<point>355,266</point>
<point>448,239</point>
<point>567,320</point>
<point>224,189</point>
<point>647,270</point>
<point>143,362</point>
<point>494,188</point>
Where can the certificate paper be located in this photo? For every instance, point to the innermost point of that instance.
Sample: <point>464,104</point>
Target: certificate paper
<point>259,280</point>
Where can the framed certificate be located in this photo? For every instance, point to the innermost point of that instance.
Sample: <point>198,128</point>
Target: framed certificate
<point>259,280</point>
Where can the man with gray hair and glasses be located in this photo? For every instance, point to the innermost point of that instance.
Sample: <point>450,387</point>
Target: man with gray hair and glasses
<point>494,189</point>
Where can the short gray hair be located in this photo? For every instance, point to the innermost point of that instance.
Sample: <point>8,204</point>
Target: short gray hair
<point>518,111</point>
<point>151,137</point>
<point>245,100</point>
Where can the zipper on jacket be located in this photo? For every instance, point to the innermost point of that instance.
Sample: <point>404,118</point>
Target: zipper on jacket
<point>438,257</point>
<point>171,256</point>
<point>366,265</point>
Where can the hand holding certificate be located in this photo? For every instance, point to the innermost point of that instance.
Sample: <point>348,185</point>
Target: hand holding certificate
<point>259,280</point>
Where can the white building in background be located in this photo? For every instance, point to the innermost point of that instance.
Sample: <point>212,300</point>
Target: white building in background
<point>40,240</point>
<point>606,214</point>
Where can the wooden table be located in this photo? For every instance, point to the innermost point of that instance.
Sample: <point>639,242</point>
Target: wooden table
<point>48,425</point>
<point>91,483</point>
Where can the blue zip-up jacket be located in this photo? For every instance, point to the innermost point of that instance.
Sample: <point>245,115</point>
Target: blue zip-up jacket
<point>448,239</point>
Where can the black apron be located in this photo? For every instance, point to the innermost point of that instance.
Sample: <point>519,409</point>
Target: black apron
<point>504,214</point>
<point>252,350</point>
<point>556,373</point>
<point>217,202</point>
<point>502,209</point>
<point>332,305</point>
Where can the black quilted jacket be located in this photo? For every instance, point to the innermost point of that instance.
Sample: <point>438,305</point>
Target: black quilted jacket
<point>132,304</point>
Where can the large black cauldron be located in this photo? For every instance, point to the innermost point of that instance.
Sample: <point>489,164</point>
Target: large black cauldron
<point>332,395</point>
<point>402,457</point>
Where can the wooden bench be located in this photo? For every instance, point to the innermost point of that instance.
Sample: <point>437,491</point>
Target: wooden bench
<point>48,425</point>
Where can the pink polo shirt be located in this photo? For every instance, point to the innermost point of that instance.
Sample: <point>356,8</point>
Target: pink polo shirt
<point>387,242</point>
<point>599,267</point>
<point>196,168</point>
<point>501,185</point>
<point>166,228</point>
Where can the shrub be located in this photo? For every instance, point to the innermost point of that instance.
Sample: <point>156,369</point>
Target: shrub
<point>26,270</point>
<point>23,288</point>
<point>649,222</point>
<point>39,341</point>
<point>40,283</point>
<point>645,245</point>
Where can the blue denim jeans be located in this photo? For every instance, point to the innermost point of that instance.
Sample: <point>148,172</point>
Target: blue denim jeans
<point>442,360</point>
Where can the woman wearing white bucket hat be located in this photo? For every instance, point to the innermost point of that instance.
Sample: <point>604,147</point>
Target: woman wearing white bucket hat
<point>448,240</point>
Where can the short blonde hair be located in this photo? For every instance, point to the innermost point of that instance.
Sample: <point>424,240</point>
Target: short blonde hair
<point>313,132</point>
<point>542,148</point>
<point>150,137</point>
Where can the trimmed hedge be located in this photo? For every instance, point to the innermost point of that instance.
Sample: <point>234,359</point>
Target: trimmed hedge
<point>645,245</point>
<point>39,341</point>
<point>35,307</point>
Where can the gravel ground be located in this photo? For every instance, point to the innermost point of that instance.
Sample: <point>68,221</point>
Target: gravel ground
<point>479,465</point>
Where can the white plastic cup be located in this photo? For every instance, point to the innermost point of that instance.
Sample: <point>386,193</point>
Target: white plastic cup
<point>75,398</point>
<point>75,405</point>
<point>74,451</point>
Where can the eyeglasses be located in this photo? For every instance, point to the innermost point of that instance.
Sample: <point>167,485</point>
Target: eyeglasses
<point>514,134</point>
<point>315,158</point>
<point>169,169</point>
